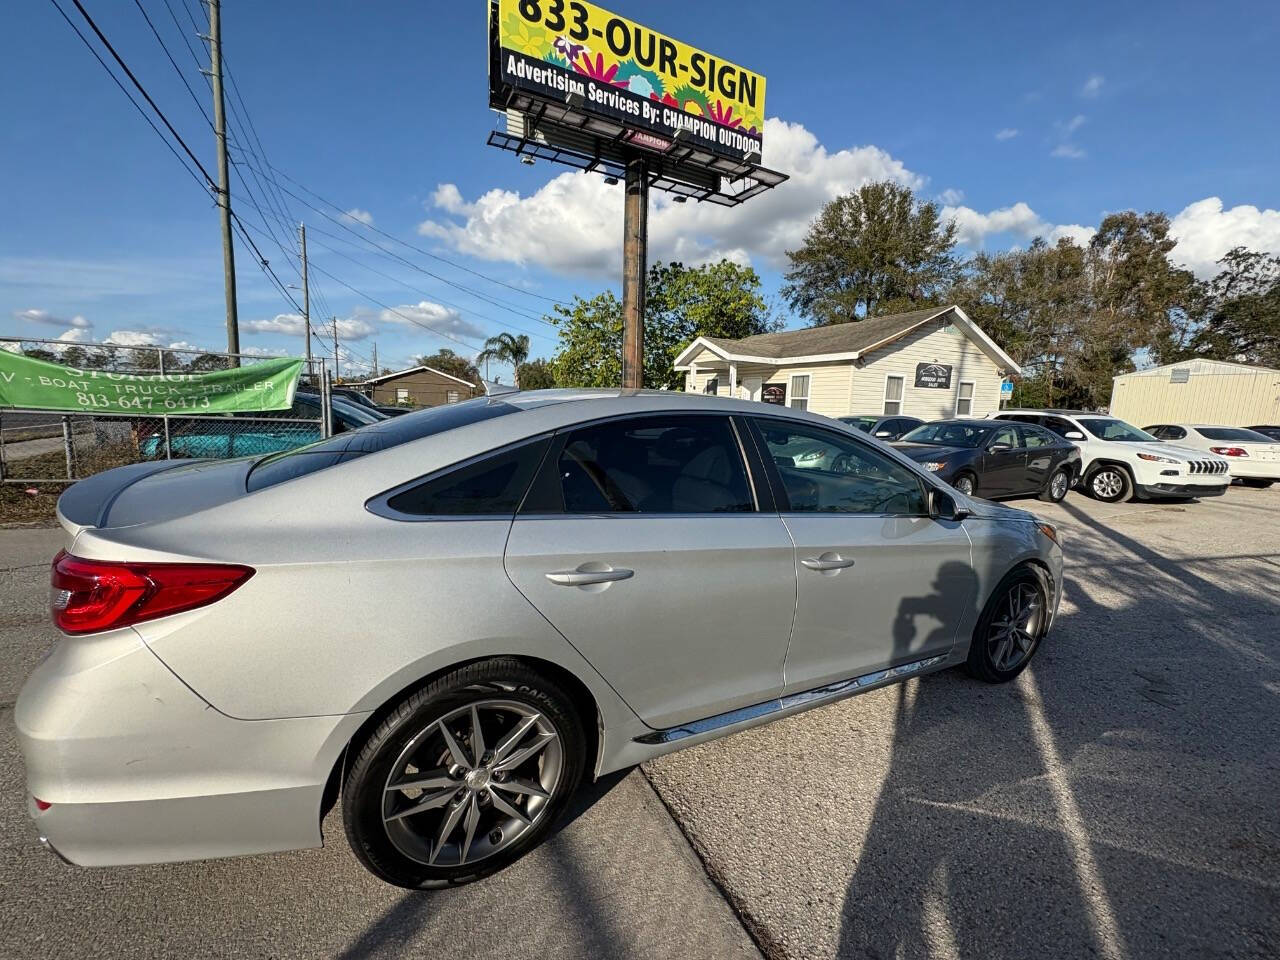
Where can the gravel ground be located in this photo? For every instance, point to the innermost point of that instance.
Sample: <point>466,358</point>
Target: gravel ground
<point>1119,800</point>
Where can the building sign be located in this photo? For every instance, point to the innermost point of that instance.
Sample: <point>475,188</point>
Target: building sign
<point>576,53</point>
<point>30,384</point>
<point>933,375</point>
<point>774,393</point>
<point>1006,389</point>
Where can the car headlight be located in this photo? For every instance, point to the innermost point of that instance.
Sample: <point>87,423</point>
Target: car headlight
<point>934,465</point>
<point>1156,458</point>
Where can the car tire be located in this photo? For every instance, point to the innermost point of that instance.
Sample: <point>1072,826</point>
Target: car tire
<point>967,484</point>
<point>1011,627</point>
<point>1109,483</point>
<point>1055,491</point>
<point>471,815</point>
<point>1255,483</point>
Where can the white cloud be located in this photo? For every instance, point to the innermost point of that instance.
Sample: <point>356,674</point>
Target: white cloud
<point>45,318</point>
<point>1205,231</point>
<point>426,314</point>
<point>1074,124</point>
<point>1019,220</point>
<point>951,197</point>
<point>572,222</point>
<point>1093,86</point>
<point>184,345</point>
<point>1068,151</point>
<point>264,351</point>
<point>132,338</point>
<point>1008,133</point>
<point>356,215</point>
<point>293,325</point>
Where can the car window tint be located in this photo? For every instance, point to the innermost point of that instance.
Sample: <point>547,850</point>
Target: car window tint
<point>824,472</point>
<point>1006,435</point>
<point>492,485</point>
<point>382,435</point>
<point>660,464</point>
<point>1239,434</point>
<point>1036,437</point>
<point>1057,425</point>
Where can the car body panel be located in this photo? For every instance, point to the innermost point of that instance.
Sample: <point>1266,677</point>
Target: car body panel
<point>214,731</point>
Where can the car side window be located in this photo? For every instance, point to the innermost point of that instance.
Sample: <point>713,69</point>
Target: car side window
<point>657,464</point>
<point>825,472</point>
<point>1007,436</point>
<point>1057,425</point>
<point>1035,437</point>
<point>489,486</point>
<point>1173,433</point>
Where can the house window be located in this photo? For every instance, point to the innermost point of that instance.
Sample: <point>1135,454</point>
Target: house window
<point>964,399</point>
<point>892,396</point>
<point>713,386</point>
<point>402,394</point>
<point>798,397</point>
<point>453,396</point>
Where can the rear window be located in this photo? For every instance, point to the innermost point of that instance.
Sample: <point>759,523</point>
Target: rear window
<point>1239,434</point>
<point>382,435</point>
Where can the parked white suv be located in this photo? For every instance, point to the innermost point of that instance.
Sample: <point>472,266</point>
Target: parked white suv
<point>1119,461</point>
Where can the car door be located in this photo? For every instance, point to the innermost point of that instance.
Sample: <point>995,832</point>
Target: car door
<point>1004,461</point>
<point>881,583</point>
<point>1043,454</point>
<point>643,543</point>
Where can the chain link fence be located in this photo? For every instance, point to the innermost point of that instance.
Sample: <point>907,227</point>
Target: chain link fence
<point>47,447</point>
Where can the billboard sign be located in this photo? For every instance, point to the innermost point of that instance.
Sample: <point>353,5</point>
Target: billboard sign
<point>573,52</point>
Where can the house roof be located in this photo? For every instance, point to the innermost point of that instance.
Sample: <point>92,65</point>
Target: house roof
<point>840,341</point>
<point>1201,363</point>
<point>404,373</point>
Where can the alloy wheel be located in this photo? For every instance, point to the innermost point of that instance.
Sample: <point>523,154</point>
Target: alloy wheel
<point>1016,627</point>
<point>1108,484</point>
<point>1058,485</point>
<point>965,486</point>
<point>472,783</point>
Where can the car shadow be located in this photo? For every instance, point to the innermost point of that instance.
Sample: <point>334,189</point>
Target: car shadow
<point>1116,800</point>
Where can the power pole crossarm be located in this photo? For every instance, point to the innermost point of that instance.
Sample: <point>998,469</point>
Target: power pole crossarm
<point>224,186</point>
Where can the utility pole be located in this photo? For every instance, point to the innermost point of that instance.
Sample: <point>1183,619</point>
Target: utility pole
<point>375,359</point>
<point>635,242</point>
<point>224,185</point>
<point>306,292</point>
<point>336,374</point>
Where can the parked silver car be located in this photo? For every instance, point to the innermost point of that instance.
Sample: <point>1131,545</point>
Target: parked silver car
<point>447,620</point>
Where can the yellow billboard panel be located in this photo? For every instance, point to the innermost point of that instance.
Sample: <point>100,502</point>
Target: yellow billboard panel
<point>628,73</point>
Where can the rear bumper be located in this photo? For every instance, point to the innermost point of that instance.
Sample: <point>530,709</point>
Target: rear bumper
<point>1184,489</point>
<point>138,769</point>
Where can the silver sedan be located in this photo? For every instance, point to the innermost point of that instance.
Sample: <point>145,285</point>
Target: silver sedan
<point>447,620</point>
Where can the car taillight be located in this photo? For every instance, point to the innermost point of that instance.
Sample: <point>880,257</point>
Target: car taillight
<point>92,595</point>
<point>1230,451</point>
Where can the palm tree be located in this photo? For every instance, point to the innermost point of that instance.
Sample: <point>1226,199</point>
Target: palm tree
<point>506,348</point>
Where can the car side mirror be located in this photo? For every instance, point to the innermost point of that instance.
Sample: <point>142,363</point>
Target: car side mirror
<point>943,506</point>
<point>1074,435</point>
<point>883,433</point>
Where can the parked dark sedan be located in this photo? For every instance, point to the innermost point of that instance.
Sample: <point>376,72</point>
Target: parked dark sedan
<point>360,400</point>
<point>882,428</point>
<point>995,458</point>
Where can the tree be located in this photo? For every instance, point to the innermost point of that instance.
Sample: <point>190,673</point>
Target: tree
<point>875,251</point>
<point>1237,314</point>
<point>206,362</point>
<point>506,348</point>
<point>720,299</point>
<point>446,361</point>
<point>535,375</point>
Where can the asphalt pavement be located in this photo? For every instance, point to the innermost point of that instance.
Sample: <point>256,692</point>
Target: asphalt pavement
<point>1118,801</point>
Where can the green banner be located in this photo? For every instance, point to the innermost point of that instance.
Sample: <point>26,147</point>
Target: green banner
<point>30,384</point>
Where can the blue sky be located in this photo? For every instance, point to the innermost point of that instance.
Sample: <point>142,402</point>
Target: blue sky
<point>1021,118</point>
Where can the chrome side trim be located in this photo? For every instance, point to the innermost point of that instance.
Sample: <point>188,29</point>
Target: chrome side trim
<point>829,693</point>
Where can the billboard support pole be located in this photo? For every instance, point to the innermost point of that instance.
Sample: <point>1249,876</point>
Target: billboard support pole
<point>635,244</point>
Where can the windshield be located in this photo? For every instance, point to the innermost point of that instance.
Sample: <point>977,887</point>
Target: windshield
<point>1239,434</point>
<point>1105,428</point>
<point>862,423</point>
<point>378,435</point>
<point>949,434</point>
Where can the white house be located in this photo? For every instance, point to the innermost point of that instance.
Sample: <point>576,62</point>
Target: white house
<point>929,364</point>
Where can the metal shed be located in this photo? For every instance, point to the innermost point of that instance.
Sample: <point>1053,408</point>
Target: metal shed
<point>1199,391</point>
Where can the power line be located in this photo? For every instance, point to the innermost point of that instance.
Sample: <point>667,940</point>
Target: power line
<point>137,106</point>
<point>263,262</point>
<point>181,76</point>
<point>141,89</point>
<point>425,253</point>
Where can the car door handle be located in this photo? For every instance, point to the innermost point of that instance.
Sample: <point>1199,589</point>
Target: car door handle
<point>828,561</point>
<point>584,578</point>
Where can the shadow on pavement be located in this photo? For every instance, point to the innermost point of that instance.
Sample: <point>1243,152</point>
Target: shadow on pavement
<point>1117,800</point>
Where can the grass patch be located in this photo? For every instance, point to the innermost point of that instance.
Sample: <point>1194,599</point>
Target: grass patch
<point>20,508</point>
